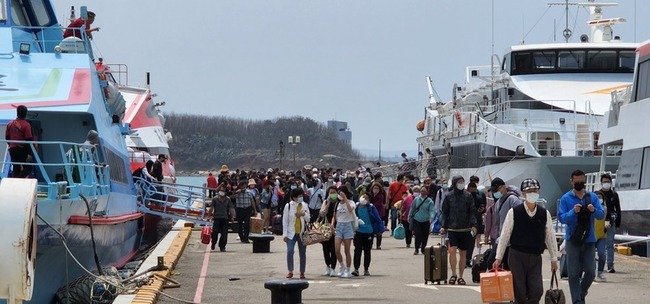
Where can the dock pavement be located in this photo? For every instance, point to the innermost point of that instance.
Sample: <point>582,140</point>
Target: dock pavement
<point>397,276</point>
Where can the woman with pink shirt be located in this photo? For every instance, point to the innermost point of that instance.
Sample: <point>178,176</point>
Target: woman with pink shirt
<point>407,201</point>
<point>378,199</point>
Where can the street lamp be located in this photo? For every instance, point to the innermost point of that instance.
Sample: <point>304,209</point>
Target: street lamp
<point>294,140</point>
<point>281,153</point>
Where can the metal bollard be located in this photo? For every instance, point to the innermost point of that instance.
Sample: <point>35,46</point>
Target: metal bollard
<point>286,291</point>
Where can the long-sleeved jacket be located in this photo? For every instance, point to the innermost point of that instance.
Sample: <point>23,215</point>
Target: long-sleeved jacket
<point>289,219</point>
<point>458,211</point>
<point>567,216</point>
<point>613,205</point>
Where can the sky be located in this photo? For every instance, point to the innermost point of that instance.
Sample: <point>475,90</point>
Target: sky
<point>360,61</point>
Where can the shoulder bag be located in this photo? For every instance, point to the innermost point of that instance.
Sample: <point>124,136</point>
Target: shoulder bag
<point>554,295</point>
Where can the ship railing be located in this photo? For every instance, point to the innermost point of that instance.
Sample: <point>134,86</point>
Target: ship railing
<point>49,39</point>
<point>119,72</point>
<point>57,164</point>
<point>176,201</point>
<point>434,167</point>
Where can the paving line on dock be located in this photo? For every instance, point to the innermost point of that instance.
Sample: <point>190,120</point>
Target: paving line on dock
<point>204,272</point>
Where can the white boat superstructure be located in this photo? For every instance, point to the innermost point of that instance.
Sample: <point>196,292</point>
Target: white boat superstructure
<point>625,128</point>
<point>538,113</point>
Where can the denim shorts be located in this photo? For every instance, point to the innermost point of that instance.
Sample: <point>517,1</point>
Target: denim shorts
<point>344,230</point>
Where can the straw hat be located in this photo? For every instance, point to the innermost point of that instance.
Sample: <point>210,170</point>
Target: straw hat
<point>224,168</point>
<point>252,182</point>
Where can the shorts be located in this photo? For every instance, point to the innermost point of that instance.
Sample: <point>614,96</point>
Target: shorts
<point>265,206</point>
<point>462,240</point>
<point>344,230</point>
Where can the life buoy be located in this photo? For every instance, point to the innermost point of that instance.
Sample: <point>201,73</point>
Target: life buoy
<point>458,118</point>
<point>420,126</point>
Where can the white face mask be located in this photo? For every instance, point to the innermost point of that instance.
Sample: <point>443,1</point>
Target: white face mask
<point>221,193</point>
<point>460,186</point>
<point>607,186</point>
<point>363,201</point>
<point>532,197</point>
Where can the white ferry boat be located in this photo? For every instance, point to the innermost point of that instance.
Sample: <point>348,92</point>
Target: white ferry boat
<point>537,113</point>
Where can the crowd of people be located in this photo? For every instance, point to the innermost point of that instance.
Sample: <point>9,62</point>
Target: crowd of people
<point>361,206</point>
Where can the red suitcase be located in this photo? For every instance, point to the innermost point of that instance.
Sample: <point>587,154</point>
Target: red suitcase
<point>206,235</point>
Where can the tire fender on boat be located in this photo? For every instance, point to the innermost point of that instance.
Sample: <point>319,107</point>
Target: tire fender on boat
<point>458,118</point>
<point>17,238</point>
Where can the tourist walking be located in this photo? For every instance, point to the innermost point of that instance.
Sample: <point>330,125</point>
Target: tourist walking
<point>458,220</point>
<point>405,210</point>
<point>294,221</point>
<point>369,224</point>
<point>578,209</point>
<point>327,210</point>
<point>377,197</point>
<point>211,184</point>
<point>505,198</point>
<point>529,230</point>
<point>421,215</point>
<point>612,218</point>
<point>222,210</point>
<point>394,194</point>
<point>245,203</point>
<point>344,230</point>
<point>20,129</point>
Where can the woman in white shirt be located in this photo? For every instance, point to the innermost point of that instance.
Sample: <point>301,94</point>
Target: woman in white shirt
<point>343,218</point>
<point>294,221</point>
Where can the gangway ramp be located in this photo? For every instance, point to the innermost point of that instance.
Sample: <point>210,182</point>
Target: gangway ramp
<point>175,201</point>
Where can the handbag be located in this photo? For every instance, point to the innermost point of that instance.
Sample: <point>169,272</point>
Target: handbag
<point>554,295</point>
<point>312,235</point>
<point>399,233</point>
<point>324,227</point>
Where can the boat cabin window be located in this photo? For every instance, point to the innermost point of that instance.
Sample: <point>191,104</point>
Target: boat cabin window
<point>570,61</point>
<point>3,11</point>
<point>31,13</point>
<point>642,82</point>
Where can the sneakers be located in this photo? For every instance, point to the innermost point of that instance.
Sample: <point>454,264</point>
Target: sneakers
<point>366,272</point>
<point>346,274</point>
<point>355,273</point>
<point>302,275</point>
<point>611,270</point>
<point>341,271</point>
<point>601,277</point>
<point>290,275</point>
<point>328,271</point>
<point>332,272</point>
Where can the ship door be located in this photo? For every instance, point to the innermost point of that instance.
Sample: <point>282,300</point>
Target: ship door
<point>546,143</point>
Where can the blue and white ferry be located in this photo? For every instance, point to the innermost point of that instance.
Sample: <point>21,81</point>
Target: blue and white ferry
<point>78,209</point>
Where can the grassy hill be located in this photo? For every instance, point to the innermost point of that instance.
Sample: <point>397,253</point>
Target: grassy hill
<point>206,142</point>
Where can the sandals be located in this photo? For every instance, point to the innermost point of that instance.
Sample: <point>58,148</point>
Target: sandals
<point>452,280</point>
<point>461,281</point>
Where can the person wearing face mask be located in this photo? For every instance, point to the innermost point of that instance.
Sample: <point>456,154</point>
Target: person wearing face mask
<point>222,211</point>
<point>294,221</point>
<point>612,217</point>
<point>529,230</point>
<point>443,190</point>
<point>407,202</point>
<point>245,206</point>
<point>369,224</point>
<point>479,203</point>
<point>327,210</point>
<point>421,214</point>
<point>458,220</point>
<point>505,198</point>
<point>377,197</point>
<point>578,209</point>
<point>344,234</point>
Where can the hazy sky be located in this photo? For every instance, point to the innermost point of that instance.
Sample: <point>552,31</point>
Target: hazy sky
<point>363,62</point>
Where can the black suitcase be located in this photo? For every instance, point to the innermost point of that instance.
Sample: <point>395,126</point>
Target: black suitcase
<point>277,224</point>
<point>435,263</point>
<point>479,265</point>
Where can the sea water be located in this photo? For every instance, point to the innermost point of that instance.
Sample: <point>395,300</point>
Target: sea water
<point>196,181</point>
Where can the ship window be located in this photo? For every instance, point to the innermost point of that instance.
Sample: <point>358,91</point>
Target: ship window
<point>544,60</point>
<point>18,14</point>
<point>601,60</point>
<point>571,60</point>
<point>645,169</point>
<point>116,167</point>
<point>626,61</point>
<point>643,81</point>
<point>521,63</point>
<point>3,11</point>
<point>40,12</point>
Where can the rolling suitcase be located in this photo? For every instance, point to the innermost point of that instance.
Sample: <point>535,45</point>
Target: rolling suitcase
<point>479,265</point>
<point>206,235</point>
<point>277,224</point>
<point>435,263</point>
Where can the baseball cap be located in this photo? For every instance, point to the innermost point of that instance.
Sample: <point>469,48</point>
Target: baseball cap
<point>529,183</point>
<point>496,183</point>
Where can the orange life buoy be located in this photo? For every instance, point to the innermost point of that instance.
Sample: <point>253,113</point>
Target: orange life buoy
<point>420,126</point>
<point>458,118</point>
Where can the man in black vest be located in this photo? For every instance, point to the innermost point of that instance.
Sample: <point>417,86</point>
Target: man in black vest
<point>529,231</point>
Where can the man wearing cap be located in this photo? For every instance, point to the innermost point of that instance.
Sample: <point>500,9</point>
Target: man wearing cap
<point>458,220</point>
<point>505,199</point>
<point>244,208</point>
<point>529,230</point>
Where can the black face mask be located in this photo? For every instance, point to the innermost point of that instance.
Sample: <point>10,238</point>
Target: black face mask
<point>578,186</point>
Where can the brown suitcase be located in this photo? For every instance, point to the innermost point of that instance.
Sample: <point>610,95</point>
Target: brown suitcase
<point>435,263</point>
